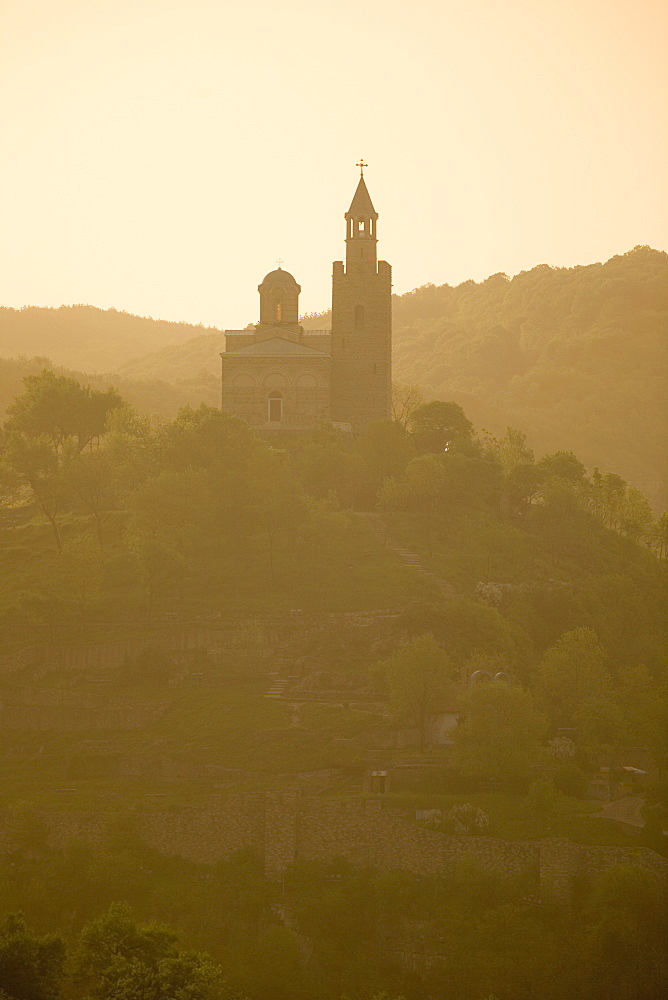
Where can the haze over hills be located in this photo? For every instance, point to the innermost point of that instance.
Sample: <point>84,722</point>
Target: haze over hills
<point>574,356</point>
<point>85,338</point>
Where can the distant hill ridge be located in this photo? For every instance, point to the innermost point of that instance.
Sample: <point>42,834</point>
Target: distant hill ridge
<point>87,338</point>
<point>574,356</point>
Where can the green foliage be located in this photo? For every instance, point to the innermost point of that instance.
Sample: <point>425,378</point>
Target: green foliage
<point>31,967</point>
<point>499,734</point>
<point>123,960</point>
<point>437,427</point>
<point>59,409</point>
<point>572,677</point>
<point>543,798</point>
<point>565,353</point>
<point>624,947</point>
<point>420,681</point>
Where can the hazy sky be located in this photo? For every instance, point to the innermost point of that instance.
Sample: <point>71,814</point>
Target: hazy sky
<point>159,155</point>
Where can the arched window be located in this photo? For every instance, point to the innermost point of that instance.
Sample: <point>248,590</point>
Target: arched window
<point>278,310</point>
<point>274,408</point>
<point>360,225</point>
<point>358,318</point>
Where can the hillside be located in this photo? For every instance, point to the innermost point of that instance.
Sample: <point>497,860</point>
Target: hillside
<point>576,356</point>
<point>150,397</point>
<point>86,338</point>
<point>206,641</point>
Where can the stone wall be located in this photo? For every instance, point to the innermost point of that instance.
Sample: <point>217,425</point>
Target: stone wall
<point>284,826</point>
<point>251,638</point>
<point>364,833</point>
<point>74,711</point>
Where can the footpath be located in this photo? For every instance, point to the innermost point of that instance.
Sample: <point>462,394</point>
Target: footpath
<point>412,559</point>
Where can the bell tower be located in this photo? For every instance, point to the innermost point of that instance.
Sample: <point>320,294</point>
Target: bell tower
<point>361,320</point>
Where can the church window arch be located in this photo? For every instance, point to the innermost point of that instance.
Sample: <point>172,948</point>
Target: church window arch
<point>275,379</point>
<point>277,306</point>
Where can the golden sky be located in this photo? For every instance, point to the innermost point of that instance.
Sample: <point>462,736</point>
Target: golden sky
<point>158,156</point>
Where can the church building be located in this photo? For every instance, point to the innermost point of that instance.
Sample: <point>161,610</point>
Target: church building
<point>278,376</point>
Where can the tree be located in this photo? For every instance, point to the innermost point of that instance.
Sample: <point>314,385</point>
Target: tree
<point>91,479</point>
<point>385,448</point>
<point>31,967</point>
<point>121,960</point>
<point>327,464</point>
<point>170,529</point>
<point>275,503</point>
<point>420,681</point>
<point>439,426</point>
<point>420,490</point>
<point>11,488</point>
<point>659,536</point>
<point>38,466</point>
<point>563,465</point>
<point>624,950</point>
<point>499,733</point>
<point>59,409</point>
<point>571,673</point>
<point>405,401</point>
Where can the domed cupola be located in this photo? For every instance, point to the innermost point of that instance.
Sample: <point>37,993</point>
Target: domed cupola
<point>279,299</point>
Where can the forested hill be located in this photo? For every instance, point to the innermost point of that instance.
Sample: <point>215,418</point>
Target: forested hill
<point>575,356</point>
<point>85,338</point>
<point>153,398</point>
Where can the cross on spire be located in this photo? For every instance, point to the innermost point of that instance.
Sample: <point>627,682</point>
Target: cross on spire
<point>361,165</point>
<point>279,261</point>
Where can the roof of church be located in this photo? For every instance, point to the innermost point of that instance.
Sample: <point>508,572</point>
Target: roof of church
<point>277,347</point>
<point>279,277</point>
<point>361,203</point>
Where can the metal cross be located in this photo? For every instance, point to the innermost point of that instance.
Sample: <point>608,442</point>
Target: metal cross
<point>361,165</point>
<point>280,261</point>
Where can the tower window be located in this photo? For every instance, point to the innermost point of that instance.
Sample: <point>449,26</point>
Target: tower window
<point>360,225</point>
<point>279,311</point>
<point>275,407</point>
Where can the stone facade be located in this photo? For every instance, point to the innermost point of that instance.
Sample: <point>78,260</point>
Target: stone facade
<point>277,376</point>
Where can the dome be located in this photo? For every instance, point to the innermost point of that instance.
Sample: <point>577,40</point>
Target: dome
<point>279,277</point>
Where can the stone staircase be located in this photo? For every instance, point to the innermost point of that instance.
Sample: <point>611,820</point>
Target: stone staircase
<point>277,686</point>
<point>411,559</point>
